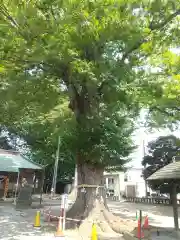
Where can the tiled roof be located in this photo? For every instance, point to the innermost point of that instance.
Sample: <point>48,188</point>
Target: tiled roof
<point>12,161</point>
<point>170,171</point>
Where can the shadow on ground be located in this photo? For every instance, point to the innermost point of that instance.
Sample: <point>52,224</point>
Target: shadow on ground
<point>14,224</point>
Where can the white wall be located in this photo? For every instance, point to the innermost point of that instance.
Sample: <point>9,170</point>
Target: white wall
<point>118,182</point>
<point>134,177</point>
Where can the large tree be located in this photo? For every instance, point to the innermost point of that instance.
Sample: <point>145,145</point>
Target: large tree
<point>104,55</point>
<point>160,153</point>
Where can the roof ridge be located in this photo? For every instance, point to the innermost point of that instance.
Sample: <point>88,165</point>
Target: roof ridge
<point>29,160</point>
<point>16,160</point>
<point>8,150</point>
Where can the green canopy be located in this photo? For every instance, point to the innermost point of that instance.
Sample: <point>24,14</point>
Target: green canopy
<point>13,161</point>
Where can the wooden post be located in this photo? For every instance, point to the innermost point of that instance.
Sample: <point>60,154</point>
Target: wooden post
<point>175,206</point>
<point>140,219</point>
<point>17,186</point>
<point>6,186</point>
<point>42,185</point>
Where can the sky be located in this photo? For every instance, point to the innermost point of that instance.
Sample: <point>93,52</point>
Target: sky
<point>143,135</point>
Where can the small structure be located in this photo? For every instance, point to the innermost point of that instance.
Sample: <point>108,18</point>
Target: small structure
<point>19,177</point>
<point>169,174</point>
<point>127,184</point>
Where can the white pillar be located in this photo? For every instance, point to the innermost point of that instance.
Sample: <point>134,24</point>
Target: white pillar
<point>119,187</point>
<point>107,182</point>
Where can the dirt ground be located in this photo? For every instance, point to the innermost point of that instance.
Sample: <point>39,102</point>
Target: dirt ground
<point>159,215</point>
<point>18,225</point>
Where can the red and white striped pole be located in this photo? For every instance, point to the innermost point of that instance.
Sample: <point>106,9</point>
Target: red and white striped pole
<point>62,210</point>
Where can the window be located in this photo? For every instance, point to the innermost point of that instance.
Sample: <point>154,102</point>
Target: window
<point>110,180</point>
<point>125,178</point>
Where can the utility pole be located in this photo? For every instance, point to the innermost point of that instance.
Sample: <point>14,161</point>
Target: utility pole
<point>53,189</point>
<point>144,153</point>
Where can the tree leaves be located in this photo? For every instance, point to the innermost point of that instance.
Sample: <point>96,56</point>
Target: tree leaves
<point>93,56</point>
<point>160,153</point>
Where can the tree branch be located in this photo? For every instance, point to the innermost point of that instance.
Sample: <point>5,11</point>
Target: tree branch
<point>163,24</point>
<point>14,24</point>
<point>138,44</point>
<point>152,28</point>
<point>176,108</point>
<point>170,114</point>
<point>6,14</point>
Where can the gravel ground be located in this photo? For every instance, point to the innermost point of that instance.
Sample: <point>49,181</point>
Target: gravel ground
<point>159,217</point>
<point>18,225</point>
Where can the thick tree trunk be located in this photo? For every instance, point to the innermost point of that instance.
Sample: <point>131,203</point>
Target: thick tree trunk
<point>175,206</point>
<point>90,189</point>
<point>90,205</point>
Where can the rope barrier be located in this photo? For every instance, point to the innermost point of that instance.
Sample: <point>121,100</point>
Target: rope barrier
<point>90,186</point>
<point>47,213</point>
<point>83,186</point>
<point>80,220</point>
<point>73,219</point>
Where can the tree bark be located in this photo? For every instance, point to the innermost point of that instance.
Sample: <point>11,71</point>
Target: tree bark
<point>90,189</point>
<point>90,204</point>
<point>175,206</point>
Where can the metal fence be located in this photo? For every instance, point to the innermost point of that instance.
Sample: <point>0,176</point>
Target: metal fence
<point>150,200</point>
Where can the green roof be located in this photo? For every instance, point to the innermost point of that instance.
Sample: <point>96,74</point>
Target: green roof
<point>13,161</point>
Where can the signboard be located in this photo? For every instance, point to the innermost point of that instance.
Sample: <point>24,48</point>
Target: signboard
<point>24,198</point>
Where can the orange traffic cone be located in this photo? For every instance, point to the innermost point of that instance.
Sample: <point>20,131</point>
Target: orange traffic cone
<point>146,222</point>
<point>140,233</point>
<point>59,232</point>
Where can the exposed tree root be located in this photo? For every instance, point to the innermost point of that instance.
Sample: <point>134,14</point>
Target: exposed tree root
<point>105,221</point>
<point>118,224</point>
<point>90,206</point>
